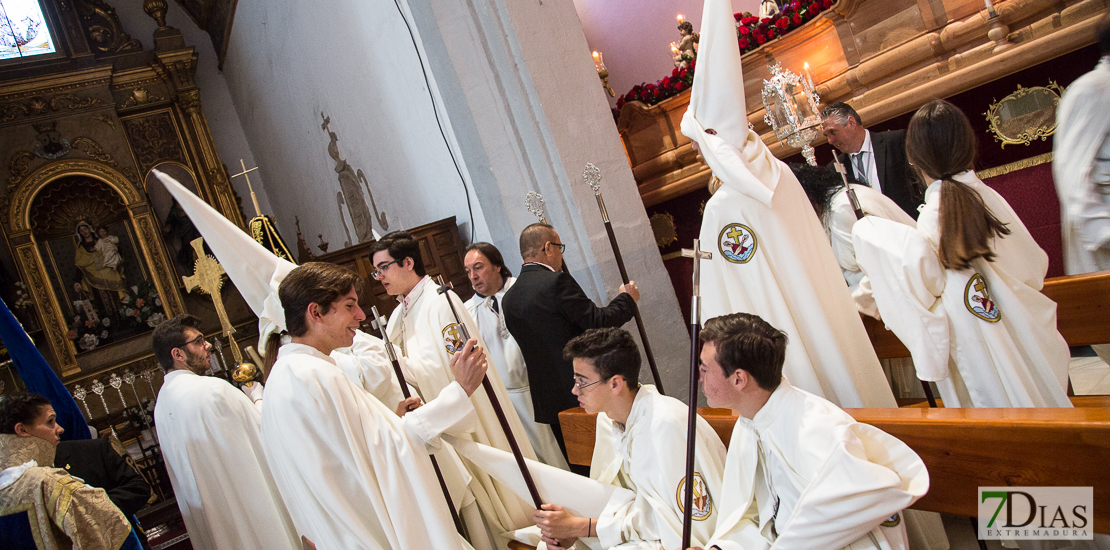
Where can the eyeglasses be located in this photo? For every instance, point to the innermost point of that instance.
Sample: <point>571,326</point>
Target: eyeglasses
<point>562,247</point>
<point>377,273</point>
<point>198,340</point>
<point>578,383</point>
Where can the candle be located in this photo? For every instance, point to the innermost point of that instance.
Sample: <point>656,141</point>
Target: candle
<point>809,77</point>
<point>597,61</point>
<point>990,6</point>
<point>674,48</point>
<point>681,18</point>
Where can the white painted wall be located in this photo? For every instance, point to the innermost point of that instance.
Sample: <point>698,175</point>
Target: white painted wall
<point>635,37</point>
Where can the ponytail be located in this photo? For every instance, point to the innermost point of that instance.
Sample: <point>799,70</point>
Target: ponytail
<point>270,352</point>
<point>966,226</point>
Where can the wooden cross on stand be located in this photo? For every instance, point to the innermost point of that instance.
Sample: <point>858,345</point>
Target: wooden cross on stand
<point>208,277</point>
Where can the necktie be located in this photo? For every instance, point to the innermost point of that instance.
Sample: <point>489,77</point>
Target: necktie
<point>495,307</point>
<point>861,167</point>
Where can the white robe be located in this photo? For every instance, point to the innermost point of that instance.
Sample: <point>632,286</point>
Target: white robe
<point>990,322</point>
<point>770,254</point>
<point>1082,180</point>
<point>424,330</point>
<point>838,225</point>
<point>209,433</point>
<point>837,481</point>
<point>648,457</point>
<point>509,362</point>
<point>367,365</point>
<point>354,474</point>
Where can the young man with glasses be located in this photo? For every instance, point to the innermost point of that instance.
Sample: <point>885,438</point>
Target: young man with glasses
<point>801,473</point>
<point>210,437</point>
<point>641,446</point>
<point>544,310</point>
<point>425,330</point>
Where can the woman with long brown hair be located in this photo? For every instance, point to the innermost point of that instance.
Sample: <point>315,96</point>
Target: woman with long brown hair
<point>967,283</point>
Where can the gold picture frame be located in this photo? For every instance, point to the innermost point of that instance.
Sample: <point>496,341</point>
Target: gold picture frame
<point>1026,115</point>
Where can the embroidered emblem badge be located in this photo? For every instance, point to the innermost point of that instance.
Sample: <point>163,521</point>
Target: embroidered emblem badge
<point>703,502</point>
<point>892,521</point>
<point>737,243</point>
<point>978,302</point>
<point>452,338</point>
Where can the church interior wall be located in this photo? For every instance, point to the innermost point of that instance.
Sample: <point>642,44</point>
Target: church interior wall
<point>291,66</point>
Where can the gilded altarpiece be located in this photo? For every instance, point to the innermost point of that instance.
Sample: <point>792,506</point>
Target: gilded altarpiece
<point>82,130</point>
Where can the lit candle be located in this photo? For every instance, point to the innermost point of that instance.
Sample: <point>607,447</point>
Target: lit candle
<point>681,18</point>
<point>674,48</point>
<point>597,61</point>
<point>809,77</point>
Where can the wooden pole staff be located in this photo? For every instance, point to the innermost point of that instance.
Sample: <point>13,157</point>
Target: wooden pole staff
<point>692,423</point>
<point>497,409</point>
<point>379,323</point>
<point>859,216</point>
<point>592,177</point>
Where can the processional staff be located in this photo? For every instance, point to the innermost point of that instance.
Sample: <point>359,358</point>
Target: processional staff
<point>379,323</point>
<point>497,409</point>
<point>692,422</point>
<point>859,216</point>
<point>592,176</point>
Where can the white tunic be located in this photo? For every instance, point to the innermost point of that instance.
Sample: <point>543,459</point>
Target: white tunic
<point>1081,170</point>
<point>770,255</point>
<point>838,483</point>
<point>509,362</point>
<point>354,474</point>
<point>838,225</point>
<point>990,322</point>
<point>427,333</point>
<point>209,433</point>
<point>648,457</point>
<point>367,365</point>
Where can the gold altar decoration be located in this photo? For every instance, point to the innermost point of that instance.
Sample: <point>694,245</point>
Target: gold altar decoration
<point>208,278</point>
<point>1026,115</point>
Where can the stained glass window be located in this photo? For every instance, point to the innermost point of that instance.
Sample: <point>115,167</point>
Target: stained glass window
<point>23,30</point>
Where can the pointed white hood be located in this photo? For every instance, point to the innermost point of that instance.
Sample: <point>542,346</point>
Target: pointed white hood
<point>255,271</point>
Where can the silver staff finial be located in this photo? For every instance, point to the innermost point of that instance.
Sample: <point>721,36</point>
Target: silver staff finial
<point>592,176</point>
<point>535,204</point>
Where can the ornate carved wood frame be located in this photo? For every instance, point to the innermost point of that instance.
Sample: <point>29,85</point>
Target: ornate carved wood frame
<point>33,270</point>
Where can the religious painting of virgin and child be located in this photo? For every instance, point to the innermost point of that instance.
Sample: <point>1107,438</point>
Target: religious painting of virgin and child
<point>96,267</point>
<point>108,290</point>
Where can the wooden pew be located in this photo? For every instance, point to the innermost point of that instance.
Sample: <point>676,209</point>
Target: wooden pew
<point>963,449</point>
<point>1082,314</point>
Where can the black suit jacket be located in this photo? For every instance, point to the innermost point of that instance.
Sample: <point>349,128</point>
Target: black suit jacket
<point>543,311</point>
<point>895,175</point>
<point>99,464</point>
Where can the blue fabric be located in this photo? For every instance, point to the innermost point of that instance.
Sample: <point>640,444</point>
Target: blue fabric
<point>39,377</point>
<point>132,542</point>
<point>15,532</point>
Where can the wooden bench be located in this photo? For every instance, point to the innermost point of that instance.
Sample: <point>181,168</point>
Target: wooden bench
<point>963,449</point>
<point>1082,314</point>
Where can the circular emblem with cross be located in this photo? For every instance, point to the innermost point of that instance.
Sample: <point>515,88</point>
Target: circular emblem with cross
<point>737,243</point>
<point>978,301</point>
<point>452,338</point>
<point>703,503</point>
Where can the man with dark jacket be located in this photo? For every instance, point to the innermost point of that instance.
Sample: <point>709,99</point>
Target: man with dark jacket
<point>544,310</point>
<point>877,160</point>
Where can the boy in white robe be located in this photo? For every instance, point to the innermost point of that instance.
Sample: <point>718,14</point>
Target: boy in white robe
<point>640,446</point>
<point>800,473</point>
<point>424,328</point>
<point>486,270</point>
<point>771,256</point>
<point>354,473</point>
<point>209,433</point>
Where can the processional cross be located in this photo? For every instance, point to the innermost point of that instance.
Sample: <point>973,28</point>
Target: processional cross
<point>254,199</point>
<point>208,277</point>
